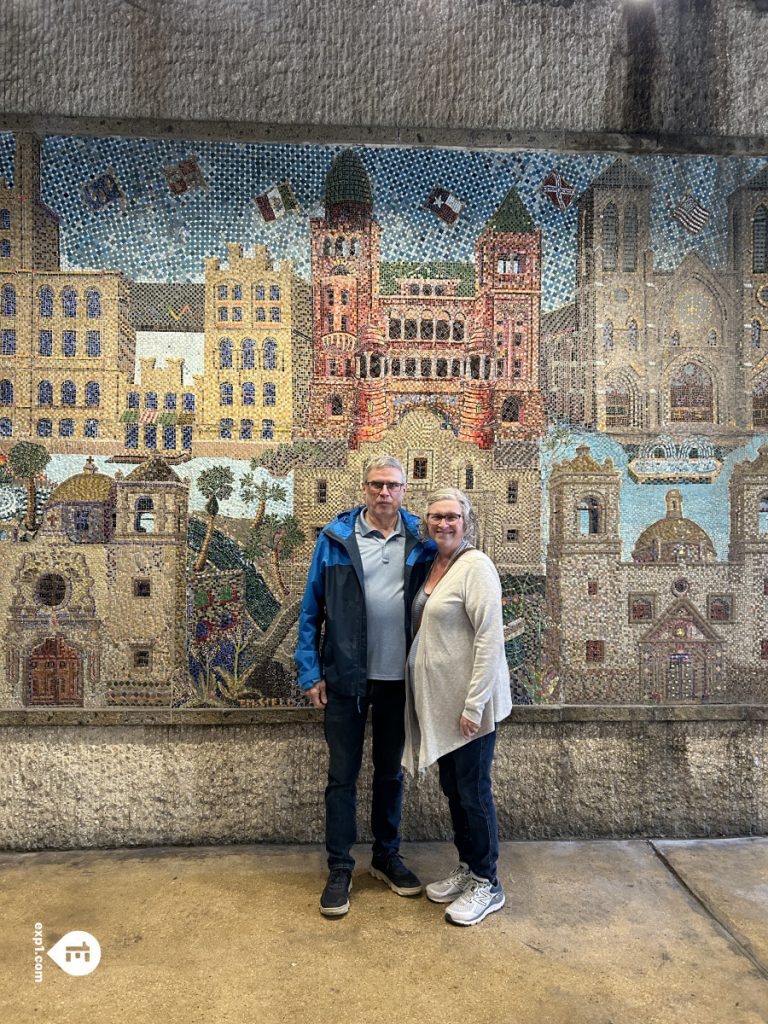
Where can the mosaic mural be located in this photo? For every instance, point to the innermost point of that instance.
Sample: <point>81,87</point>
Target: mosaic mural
<point>202,344</point>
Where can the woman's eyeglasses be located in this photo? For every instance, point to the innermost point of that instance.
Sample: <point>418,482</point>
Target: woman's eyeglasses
<point>449,517</point>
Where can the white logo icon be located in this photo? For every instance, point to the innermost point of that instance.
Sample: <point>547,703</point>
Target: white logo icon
<point>77,953</point>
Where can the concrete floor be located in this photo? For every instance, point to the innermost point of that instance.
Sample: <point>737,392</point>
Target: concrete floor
<point>592,933</point>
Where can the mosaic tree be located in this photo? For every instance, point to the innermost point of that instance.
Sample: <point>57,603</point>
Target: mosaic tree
<point>278,539</point>
<point>260,492</point>
<point>216,484</point>
<point>27,461</point>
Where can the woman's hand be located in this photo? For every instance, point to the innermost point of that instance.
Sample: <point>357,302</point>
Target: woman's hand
<point>468,729</point>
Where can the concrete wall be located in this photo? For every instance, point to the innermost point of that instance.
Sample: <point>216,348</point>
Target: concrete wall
<point>120,778</point>
<point>502,71</point>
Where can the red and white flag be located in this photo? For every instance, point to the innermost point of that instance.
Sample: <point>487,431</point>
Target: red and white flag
<point>276,202</point>
<point>690,214</point>
<point>184,175</point>
<point>444,204</point>
<point>558,190</point>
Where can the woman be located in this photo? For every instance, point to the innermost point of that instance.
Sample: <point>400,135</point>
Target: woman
<point>458,689</point>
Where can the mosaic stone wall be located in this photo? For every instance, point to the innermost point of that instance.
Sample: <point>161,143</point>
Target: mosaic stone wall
<point>202,343</point>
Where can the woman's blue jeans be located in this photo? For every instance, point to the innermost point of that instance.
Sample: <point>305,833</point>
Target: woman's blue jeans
<point>465,778</point>
<point>345,719</point>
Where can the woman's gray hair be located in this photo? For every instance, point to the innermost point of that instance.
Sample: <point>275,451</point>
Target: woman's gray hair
<point>471,526</point>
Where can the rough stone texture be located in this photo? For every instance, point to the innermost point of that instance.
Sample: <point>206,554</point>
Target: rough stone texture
<point>687,68</point>
<point>557,775</point>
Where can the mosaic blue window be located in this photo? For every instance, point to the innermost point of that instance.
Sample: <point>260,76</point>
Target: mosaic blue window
<point>69,302</point>
<point>225,354</point>
<point>6,427</point>
<point>261,314</point>
<point>44,428</point>
<point>45,393</point>
<point>225,429</point>
<point>93,303</point>
<point>223,313</point>
<point>186,438</point>
<point>9,343</point>
<point>274,293</point>
<point>92,393</point>
<point>133,399</point>
<point>249,393</point>
<point>68,393</point>
<point>609,237</point>
<point>274,314</point>
<point>66,428</point>
<point>5,248</point>
<point>5,220</point>
<point>169,437</point>
<point>629,251</point>
<point>237,313</point>
<point>270,394</point>
<point>132,435</point>
<point>267,429</point>
<point>237,291</point>
<point>9,300</point>
<point>260,293</point>
<point>246,430</point>
<point>45,299</point>
<point>150,436</point>
<point>170,400</point>
<point>270,354</point>
<point>69,343</point>
<point>150,400</point>
<point>248,353</point>
<point>589,516</point>
<point>93,342</point>
<point>188,401</point>
<point>760,241</point>
<point>225,394</point>
<point>91,428</point>
<point>223,291</point>
<point>6,392</point>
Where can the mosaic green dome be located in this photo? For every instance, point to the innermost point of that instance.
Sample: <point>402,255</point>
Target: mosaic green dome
<point>347,181</point>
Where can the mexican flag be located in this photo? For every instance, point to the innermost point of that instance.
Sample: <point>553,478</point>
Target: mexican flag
<point>277,201</point>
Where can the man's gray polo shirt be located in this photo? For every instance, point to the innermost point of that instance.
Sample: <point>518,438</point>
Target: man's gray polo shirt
<point>383,569</point>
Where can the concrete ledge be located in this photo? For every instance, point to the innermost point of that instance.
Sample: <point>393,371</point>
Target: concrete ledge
<point>521,715</point>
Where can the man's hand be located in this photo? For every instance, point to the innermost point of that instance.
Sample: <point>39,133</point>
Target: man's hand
<point>468,729</point>
<point>317,694</point>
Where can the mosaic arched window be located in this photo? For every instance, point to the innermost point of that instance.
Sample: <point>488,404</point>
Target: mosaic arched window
<point>5,220</point>
<point>6,427</point>
<point>225,354</point>
<point>589,516</point>
<point>93,303</point>
<point>270,354</point>
<point>608,335</point>
<point>632,335</point>
<point>144,519</point>
<point>760,401</point>
<point>629,247</point>
<point>755,332</point>
<point>336,407</point>
<point>760,241</point>
<point>249,393</point>
<point>692,395</point>
<point>44,428</point>
<point>9,300</point>
<point>225,394</point>
<point>69,302</point>
<point>66,428</point>
<point>92,393</point>
<point>609,238</point>
<point>150,400</point>
<point>68,393</point>
<point>45,299</point>
<point>248,352</point>
<point>225,429</point>
<point>327,247</point>
<point>91,428</point>
<point>712,339</point>
<point>6,392</point>
<point>510,410</point>
<point>469,477</point>
<point>246,430</point>
<point>45,393</point>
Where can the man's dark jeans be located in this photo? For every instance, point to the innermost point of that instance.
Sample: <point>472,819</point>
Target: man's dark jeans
<point>465,778</point>
<point>345,719</point>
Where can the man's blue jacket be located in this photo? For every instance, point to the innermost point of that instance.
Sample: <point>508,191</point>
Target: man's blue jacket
<point>335,599</point>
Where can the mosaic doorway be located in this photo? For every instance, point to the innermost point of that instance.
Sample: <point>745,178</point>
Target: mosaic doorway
<point>55,674</point>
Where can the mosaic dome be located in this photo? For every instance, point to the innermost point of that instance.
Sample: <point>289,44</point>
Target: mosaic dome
<point>90,486</point>
<point>674,538</point>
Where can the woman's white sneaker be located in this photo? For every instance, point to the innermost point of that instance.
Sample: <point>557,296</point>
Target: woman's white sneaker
<point>479,899</point>
<point>447,889</point>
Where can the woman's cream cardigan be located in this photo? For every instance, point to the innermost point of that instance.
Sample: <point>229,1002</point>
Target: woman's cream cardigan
<point>459,666</point>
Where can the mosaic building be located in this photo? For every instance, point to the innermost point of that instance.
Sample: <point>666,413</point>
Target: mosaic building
<point>462,338</point>
<point>673,624</point>
<point>95,603</point>
<point>67,343</point>
<point>643,351</point>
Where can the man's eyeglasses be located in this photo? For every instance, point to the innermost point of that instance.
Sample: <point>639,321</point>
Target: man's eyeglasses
<point>379,485</point>
<point>449,517</point>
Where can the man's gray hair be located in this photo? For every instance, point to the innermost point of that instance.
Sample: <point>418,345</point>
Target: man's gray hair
<point>384,462</point>
<point>471,526</point>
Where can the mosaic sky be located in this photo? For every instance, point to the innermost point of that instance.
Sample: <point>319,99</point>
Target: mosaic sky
<point>161,237</point>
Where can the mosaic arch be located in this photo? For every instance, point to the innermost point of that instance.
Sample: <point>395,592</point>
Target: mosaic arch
<point>201,343</point>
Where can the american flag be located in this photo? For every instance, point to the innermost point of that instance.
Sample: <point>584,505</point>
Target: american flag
<point>558,190</point>
<point>444,204</point>
<point>690,214</point>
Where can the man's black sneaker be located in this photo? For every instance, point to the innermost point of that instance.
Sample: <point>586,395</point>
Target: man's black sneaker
<point>390,869</point>
<point>335,899</point>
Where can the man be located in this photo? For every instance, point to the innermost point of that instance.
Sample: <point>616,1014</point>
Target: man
<point>368,564</point>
